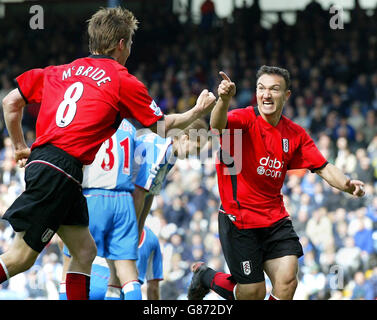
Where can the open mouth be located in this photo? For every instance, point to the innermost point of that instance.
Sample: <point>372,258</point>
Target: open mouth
<point>268,103</point>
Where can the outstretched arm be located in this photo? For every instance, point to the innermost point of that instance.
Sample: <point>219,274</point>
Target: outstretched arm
<point>219,114</point>
<point>204,105</point>
<point>337,179</point>
<point>13,105</point>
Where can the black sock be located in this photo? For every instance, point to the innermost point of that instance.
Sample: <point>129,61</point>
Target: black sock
<point>207,277</point>
<point>222,283</point>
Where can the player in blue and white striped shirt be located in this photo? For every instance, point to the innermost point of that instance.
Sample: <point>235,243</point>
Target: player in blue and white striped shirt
<point>155,156</point>
<point>108,184</point>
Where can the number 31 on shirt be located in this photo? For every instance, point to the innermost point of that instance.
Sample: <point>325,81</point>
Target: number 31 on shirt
<point>109,158</point>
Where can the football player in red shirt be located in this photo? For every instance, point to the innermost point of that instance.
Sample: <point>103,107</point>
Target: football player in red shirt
<point>255,230</point>
<point>82,104</point>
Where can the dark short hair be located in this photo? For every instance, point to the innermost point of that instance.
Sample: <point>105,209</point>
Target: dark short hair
<point>276,70</point>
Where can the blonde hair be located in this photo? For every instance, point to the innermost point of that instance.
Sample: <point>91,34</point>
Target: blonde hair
<point>108,26</point>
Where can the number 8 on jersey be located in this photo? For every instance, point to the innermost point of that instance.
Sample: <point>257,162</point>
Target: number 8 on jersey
<point>67,108</point>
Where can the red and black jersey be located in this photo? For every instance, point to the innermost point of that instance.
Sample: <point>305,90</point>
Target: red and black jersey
<point>83,102</point>
<point>252,164</point>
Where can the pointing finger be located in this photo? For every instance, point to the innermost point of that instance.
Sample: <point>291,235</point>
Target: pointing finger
<point>224,76</point>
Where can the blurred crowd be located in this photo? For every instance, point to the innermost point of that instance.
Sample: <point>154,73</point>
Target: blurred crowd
<point>334,97</point>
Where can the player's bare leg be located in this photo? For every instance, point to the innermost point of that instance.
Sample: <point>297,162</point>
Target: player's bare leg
<point>81,246</point>
<point>19,258</point>
<point>251,291</point>
<point>83,250</point>
<point>114,288</point>
<point>283,275</point>
<point>123,274</point>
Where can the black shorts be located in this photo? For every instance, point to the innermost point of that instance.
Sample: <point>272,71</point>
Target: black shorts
<point>246,250</point>
<point>52,197</point>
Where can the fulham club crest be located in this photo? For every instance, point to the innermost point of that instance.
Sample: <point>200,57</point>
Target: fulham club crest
<point>246,267</point>
<point>285,145</point>
<point>47,235</point>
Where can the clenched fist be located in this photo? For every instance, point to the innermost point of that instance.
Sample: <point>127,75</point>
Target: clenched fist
<point>205,102</point>
<point>355,187</point>
<point>21,156</point>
